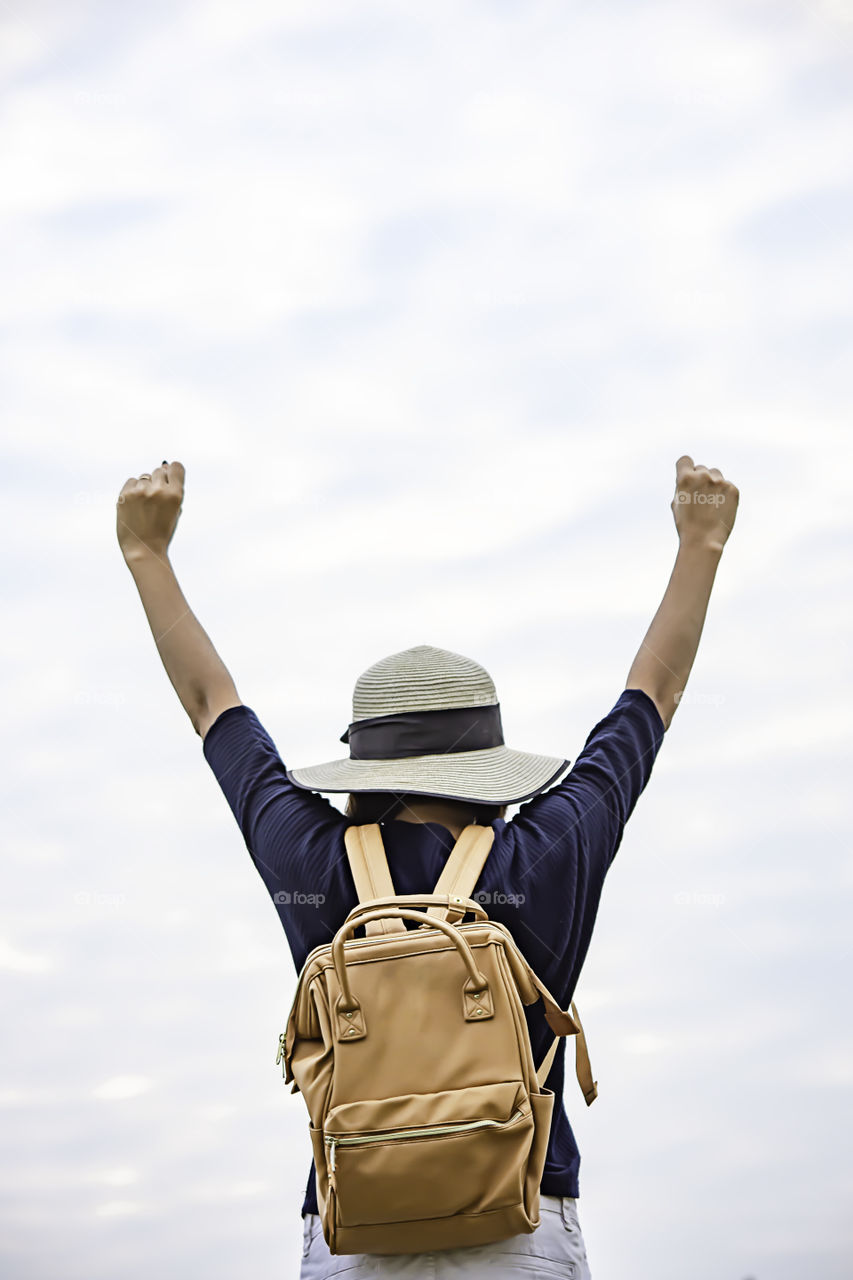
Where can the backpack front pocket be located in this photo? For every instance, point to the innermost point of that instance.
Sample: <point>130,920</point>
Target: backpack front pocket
<point>462,1151</point>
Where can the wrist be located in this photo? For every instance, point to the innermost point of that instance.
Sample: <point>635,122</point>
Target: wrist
<point>142,553</point>
<point>705,544</point>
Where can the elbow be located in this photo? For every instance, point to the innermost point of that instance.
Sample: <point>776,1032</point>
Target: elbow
<point>205,712</point>
<point>665,702</point>
<point>667,707</point>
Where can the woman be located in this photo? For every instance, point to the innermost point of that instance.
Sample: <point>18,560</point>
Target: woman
<point>427,757</point>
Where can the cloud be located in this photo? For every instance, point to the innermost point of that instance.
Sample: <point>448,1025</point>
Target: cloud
<point>121,1087</point>
<point>428,300</point>
<point>19,961</point>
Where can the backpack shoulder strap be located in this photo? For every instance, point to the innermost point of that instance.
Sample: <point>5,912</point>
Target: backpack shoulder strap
<point>462,868</point>
<point>583,1070</point>
<point>371,873</point>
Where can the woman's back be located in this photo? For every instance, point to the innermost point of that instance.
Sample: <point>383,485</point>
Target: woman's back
<point>542,879</point>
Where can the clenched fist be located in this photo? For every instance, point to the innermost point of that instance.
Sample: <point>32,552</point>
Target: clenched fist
<point>147,510</point>
<point>705,504</point>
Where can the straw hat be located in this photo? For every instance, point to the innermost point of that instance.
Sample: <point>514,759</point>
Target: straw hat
<point>427,722</point>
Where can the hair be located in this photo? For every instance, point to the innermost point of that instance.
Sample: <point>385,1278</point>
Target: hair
<point>381,806</point>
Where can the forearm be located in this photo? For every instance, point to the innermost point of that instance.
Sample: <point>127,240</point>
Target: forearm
<point>665,658</point>
<point>192,664</point>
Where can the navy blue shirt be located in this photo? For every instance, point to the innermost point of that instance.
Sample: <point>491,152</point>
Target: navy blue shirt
<point>544,873</point>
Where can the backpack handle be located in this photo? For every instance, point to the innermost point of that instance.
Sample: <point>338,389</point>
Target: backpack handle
<point>467,906</point>
<point>347,1002</point>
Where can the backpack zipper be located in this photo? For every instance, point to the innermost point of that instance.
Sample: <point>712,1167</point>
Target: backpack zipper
<point>332,1141</point>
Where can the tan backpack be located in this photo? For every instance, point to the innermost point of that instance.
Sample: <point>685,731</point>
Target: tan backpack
<point>429,1119</point>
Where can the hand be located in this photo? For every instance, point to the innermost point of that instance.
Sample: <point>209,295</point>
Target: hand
<point>147,510</point>
<point>704,506</point>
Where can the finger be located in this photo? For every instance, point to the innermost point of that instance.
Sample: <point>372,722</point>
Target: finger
<point>161,473</point>
<point>682,466</point>
<point>134,483</point>
<point>173,474</point>
<point>176,476</point>
<point>715,474</point>
<point>125,489</point>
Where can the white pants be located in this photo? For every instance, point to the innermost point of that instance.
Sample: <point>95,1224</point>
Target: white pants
<point>555,1248</point>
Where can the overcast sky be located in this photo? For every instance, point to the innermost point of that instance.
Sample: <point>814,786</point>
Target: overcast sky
<point>428,298</point>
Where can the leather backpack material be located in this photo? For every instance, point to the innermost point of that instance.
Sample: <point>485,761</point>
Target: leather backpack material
<point>428,1117</point>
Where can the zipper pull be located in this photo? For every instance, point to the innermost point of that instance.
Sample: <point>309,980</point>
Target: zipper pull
<point>282,1042</point>
<point>331,1143</point>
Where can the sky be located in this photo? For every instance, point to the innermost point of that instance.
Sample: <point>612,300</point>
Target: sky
<point>428,300</point>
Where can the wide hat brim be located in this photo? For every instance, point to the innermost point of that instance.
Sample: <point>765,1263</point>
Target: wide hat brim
<point>492,775</point>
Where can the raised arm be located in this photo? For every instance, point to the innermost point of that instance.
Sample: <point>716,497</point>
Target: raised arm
<point>704,508</point>
<point>147,513</point>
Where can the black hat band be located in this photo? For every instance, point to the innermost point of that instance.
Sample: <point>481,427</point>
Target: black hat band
<point>425,733</point>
